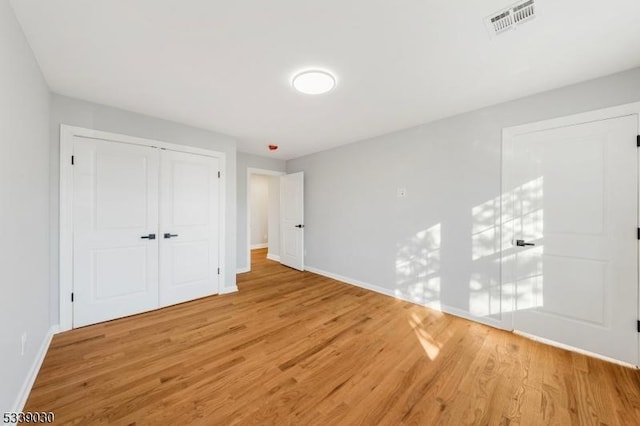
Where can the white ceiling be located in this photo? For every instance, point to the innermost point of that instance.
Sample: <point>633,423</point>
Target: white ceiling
<point>226,65</point>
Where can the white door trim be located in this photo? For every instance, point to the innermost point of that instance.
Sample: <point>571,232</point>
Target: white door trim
<point>510,133</point>
<point>67,134</point>
<point>569,120</point>
<point>253,171</point>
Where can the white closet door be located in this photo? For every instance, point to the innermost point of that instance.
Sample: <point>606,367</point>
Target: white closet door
<point>189,210</point>
<point>115,220</point>
<point>571,214</point>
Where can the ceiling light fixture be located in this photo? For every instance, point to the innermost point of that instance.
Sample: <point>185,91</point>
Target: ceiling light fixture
<point>314,82</point>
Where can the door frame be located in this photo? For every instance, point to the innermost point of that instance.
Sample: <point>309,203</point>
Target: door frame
<point>508,135</point>
<point>254,171</point>
<point>67,135</point>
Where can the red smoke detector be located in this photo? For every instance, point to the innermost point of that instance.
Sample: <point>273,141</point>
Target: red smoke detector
<point>273,147</point>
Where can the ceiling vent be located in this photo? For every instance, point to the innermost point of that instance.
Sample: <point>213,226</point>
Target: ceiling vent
<point>509,18</point>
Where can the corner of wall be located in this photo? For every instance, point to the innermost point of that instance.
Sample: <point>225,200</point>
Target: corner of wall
<point>25,389</point>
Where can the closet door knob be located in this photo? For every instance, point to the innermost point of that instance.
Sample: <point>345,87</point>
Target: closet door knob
<point>149,237</point>
<point>168,235</point>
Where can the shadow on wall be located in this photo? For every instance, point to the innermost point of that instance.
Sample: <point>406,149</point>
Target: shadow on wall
<point>418,268</point>
<point>418,259</point>
<point>523,215</point>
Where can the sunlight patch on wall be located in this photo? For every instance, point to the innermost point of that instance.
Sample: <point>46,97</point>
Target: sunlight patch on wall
<point>418,267</point>
<point>484,287</point>
<point>485,229</point>
<point>484,295</point>
<point>522,271</point>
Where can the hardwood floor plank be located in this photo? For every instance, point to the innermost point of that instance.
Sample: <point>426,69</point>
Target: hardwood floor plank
<point>297,348</point>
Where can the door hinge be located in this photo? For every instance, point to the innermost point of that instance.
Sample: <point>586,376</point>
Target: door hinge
<point>638,140</point>
<point>638,326</point>
<point>72,297</point>
<point>218,271</point>
<point>639,233</point>
<point>218,175</point>
<point>73,160</point>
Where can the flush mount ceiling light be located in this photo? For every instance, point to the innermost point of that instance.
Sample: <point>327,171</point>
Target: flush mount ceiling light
<point>314,82</point>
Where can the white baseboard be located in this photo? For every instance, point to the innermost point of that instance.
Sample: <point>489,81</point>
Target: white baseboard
<point>463,314</point>
<point>351,281</point>
<point>273,257</point>
<point>227,290</point>
<point>572,349</point>
<point>25,390</point>
<point>259,246</point>
<point>397,295</point>
<point>243,270</point>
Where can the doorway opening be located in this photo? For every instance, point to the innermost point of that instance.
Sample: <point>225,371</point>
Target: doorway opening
<point>263,213</point>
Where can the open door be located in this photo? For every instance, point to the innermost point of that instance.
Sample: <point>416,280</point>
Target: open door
<point>292,220</point>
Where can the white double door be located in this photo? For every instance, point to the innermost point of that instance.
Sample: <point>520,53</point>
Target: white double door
<point>145,229</point>
<point>569,226</point>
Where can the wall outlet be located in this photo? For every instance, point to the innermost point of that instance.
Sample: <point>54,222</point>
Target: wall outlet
<point>23,343</point>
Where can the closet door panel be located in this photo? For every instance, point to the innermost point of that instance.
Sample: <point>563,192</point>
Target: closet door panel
<point>115,212</point>
<point>189,214</point>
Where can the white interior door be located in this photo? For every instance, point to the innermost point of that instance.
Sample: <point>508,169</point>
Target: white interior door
<point>189,228</point>
<point>292,220</point>
<point>115,225</point>
<point>570,197</point>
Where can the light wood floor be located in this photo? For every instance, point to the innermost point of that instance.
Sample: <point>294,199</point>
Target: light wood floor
<point>298,348</point>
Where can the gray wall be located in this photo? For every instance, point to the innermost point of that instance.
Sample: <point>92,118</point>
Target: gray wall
<point>24,207</point>
<point>245,161</point>
<point>420,247</point>
<point>79,113</point>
